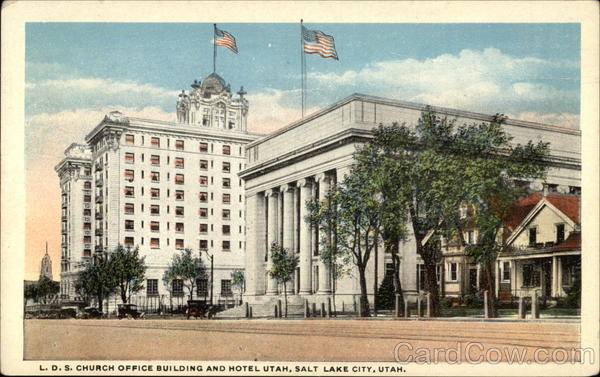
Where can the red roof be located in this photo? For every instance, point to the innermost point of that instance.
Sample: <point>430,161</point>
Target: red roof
<point>573,242</point>
<point>567,204</point>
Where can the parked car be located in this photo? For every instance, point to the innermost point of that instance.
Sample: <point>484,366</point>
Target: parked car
<point>91,313</point>
<point>199,308</point>
<point>128,311</point>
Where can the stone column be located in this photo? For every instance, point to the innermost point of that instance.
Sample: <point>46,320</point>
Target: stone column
<point>559,281</point>
<point>554,278</point>
<point>305,238</point>
<point>497,273</point>
<point>513,277</point>
<point>287,223</point>
<point>255,225</point>
<point>324,270</point>
<point>271,196</point>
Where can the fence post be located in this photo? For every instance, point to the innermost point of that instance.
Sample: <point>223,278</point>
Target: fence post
<point>279,308</point>
<point>313,307</point>
<point>305,308</point>
<point>521,308</point>
<point>250,311</point>
<point>322,310</point>
<point>246,310</point>
<point>406,312</point>
<point>428,305</point>
<point>328,307</point>
<point>397,306</point>
<point>486,312</point>
<point>419,314</point>
<point>343,307</point>
<point>535,308</point>
<point>354,303</point>
<point>276,311</point>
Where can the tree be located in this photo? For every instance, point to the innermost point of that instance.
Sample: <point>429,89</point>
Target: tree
<point>186,267</point>
<point>440,167</point>
<point>97,280</point>
<point>42,290</point>
<point>283,267</point>
<point>238,281</point>
<point>129,271</point>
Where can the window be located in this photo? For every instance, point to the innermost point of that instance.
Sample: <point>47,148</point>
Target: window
<point>177,287</point>
<point>226,246</point>
<point>179,144</point>
<point>560,233</point>
<point>87,198</point>
<point>532,236</point>
<point>128,191</point>
<point>154,226</point>
<point>155,193</point>
<point>87,212</point>
<point>203,147</point>
<point>531,276</point>
<point>128,224</point>
<point>201,287</point>
<point>178,211</point>
<point>203,196</point>
<point>179,194</point>
<point>87,239</point>
<point>506,271</point>
<point>470,237</point>
<point>155,142</point>
<point>179,227</point>
<point>179,179</point>
<point>203,164</point>
<point>155,176</point>
<point>179,243</point>
<point>226,167</point>
<point>226,229</point>
<point>226,182</point>
<point>128,241</point>
<point>87,185</point>
<point>453,271</point>
<point>203,180</point>
<point>226,214</point>
<point>203,244</point>
<point>152,287</point>
<point>155,160</point>
<point>128,175</point>
<point>129,209</point>
<point>87,226</point>
<point>203,213</point>
<point>203,228</point>
<point>574,190</point>
<point>179,162</point>
<point>129,139</point>
<point>129,158</point>
<point>154,242</point>
<point>226,288</point>
<point>155,209</point>
<point>87,172</point>
<point>226,149</point>
<point>226,198</point>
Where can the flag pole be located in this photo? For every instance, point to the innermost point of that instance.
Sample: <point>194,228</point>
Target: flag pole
<point>215,48</point>
<point>302,68</point>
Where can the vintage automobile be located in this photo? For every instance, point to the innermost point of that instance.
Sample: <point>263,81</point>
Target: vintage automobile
<point>199,308</point>
<point>90,313</point>
<point>128,311</point>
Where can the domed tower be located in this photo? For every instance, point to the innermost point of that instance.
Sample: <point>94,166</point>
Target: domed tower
<point>210,103</point>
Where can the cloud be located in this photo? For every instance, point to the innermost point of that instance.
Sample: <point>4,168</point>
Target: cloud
<point>55,95</point>
<point>487,81</point>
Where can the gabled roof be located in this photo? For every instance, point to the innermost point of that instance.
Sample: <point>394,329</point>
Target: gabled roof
<point>567,204</point>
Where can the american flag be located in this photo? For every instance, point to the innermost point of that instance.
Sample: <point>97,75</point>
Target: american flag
<point>317,42</point>
<point>223,38</point>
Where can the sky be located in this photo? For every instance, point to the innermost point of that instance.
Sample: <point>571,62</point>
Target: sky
<point>77,72</point>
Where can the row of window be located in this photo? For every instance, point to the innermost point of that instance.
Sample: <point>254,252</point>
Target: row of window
<point>129,209</point>
<point>178,162</point>
<point>177,287</point>
<point>179,144</point>
<point>559,231</point>
<point>179,227</point>
<point>180,195</point>
<point>129,175</point>
<point>179,243</point>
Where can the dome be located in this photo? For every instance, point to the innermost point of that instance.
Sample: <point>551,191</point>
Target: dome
<point>213,84</point>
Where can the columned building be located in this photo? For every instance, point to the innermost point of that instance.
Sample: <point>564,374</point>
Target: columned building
<point>301,161</point>
<point>164,187</point>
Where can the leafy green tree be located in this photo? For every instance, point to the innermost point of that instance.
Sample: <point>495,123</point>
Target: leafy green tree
<point>238,281</point>
<point>97,280</point>
<point>42,290</point>
<point>283,267</point>
<point>186,267</point>
<point>129,270</point>
<point>441,166</point>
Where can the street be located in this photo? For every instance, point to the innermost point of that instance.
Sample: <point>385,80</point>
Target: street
<point>294,340</point>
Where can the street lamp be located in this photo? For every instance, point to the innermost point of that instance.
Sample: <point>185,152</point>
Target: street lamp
<point>211,257</point>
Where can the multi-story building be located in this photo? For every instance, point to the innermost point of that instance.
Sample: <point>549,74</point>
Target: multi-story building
<point>75,173</point>
<point>164,186</point>
<point>300,161</point>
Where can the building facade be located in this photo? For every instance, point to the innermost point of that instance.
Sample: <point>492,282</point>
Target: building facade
<point>164,187</point>
<point>301,161</point>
